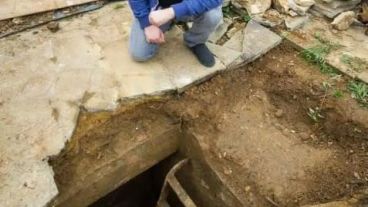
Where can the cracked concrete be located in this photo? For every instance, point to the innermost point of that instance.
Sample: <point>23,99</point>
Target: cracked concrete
<point>45,79</point>
<point>16,8</point>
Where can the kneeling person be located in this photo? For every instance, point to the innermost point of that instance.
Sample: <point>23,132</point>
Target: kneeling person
<point>154,17</point>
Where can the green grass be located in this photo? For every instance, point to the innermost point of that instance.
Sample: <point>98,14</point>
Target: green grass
<point>329,43</point>
<point>338,94</point>
<point>119,6</point>
<point>231,12</point>
<point>316,55</point>
<point>355,63</point>
<point>359,91</point>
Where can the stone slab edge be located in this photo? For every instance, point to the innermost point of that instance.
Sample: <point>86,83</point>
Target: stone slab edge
<point>355,75</point>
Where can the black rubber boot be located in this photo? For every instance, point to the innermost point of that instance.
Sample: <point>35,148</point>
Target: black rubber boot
<point>204,55</point>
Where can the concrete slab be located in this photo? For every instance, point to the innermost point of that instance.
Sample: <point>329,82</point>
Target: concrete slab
<point>45,79</point>
<point>16,8</point>
<point>257,41</point>
<point>230,58</point>
<point>187,70</point>
<point>353,43</point>
<point>236,41</point>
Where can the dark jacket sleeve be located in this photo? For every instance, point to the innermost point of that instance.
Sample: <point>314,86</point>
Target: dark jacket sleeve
<point>195,7</point>
<point>141,10</point>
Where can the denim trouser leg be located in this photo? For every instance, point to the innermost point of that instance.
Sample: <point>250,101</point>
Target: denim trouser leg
<point>139,48</point>
<point>202,28</point>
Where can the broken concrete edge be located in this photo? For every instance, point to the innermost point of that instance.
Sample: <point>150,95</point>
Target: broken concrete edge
<point>198,154</point>
<point>46,9</point>
<point>346,71</point>
<point>38,24</point>
<point>146,155</point>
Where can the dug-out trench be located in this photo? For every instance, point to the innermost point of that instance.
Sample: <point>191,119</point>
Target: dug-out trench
<point>267,134</point>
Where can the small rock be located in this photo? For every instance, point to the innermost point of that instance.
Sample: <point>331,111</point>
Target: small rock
<point>281,6</point>
<point>228,171</point>
<point>279,113</point>
<point>305,3</point>
<point>343,21</point>
<point>301,10</point>
<point>254,6</point>
<point>53,26</point>
<point>17,20</point>
<point>357,176</point>
<point>293,23</point>
<point>247,188</point>
<point>304,136</point>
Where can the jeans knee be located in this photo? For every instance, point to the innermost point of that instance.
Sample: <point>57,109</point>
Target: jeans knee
<point>213,17</point>
<point>141,56</point>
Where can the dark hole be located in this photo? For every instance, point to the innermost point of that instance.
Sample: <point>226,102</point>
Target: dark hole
<point>142,191</point>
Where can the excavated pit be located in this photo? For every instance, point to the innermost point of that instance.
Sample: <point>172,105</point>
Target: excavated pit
<point>247,133</point>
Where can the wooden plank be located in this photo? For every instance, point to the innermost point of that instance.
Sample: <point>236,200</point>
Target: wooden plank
<point>16,8</point>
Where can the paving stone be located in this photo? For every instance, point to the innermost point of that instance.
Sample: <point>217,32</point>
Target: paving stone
<point>257,41</point>
<point>236,41</point>
<point>353,41</point>
<point>230,58</point>
<point>188,72</point>
<point>333,8</point>
<point>293,23</point>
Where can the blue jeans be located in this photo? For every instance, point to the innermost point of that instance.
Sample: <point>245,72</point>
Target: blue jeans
<point>202,28</point>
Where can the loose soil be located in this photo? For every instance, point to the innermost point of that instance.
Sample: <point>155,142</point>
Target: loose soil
<point>253,125</point>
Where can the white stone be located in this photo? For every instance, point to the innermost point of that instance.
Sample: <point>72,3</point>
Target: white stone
<point>301,10</point>
<point>333,8</point>
<point>305,3</point>
<point>344,20</point>
<point>281,5</point>
<point>254,6</point>
<point>293,23</point>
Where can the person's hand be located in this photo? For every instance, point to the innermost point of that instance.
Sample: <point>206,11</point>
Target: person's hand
<point>162,16</point>
<point>154,34</point>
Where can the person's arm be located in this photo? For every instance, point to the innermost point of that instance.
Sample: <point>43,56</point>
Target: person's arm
<point>185,8</point>
<point>141,10</point>
<point>194,7</point>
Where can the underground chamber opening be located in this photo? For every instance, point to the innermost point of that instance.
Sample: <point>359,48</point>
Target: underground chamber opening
<point>271,133</point>
<point>143,190</point>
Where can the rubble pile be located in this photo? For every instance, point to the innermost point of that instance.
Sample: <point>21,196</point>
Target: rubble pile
<point>295,13</point>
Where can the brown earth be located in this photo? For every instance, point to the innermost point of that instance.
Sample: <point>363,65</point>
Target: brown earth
<point>253,125</point>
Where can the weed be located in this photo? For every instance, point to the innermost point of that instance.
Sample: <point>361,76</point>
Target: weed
<point>315,114</point>
<point>316,55</point>
<point>228,12</point>
<point>326,42</point>
<point>359,91</point>
<point>338,94</point>
<point>246,17</point>
<point>326,86</point>
<point>231,12</point>
<point>119,6</point>
<point>354,63</point>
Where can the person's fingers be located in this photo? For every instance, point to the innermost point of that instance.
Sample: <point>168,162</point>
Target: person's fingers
<point>162,37</point>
